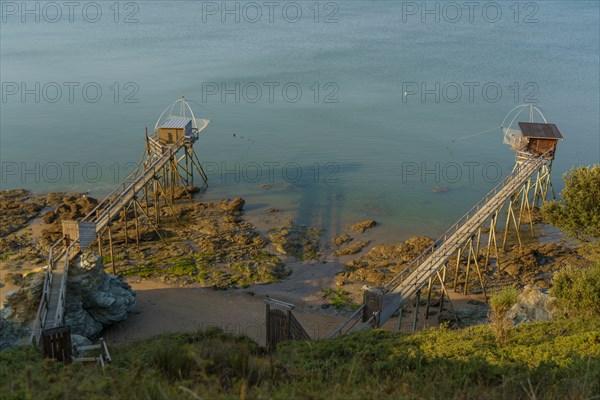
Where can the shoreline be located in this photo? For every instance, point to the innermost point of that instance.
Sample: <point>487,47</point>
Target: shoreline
<point>169,307</point>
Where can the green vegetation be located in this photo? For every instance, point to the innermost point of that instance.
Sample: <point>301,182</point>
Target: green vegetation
<point>504,299</point>
<point>577,290</point>
<point>200,268</point>
<point>501,303</point>
<point>339,298</point>
<point>578,214</point>
<point>542,360</point>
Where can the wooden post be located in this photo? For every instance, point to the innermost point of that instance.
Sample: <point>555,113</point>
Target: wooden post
<point>455,283</point>
<point>152,224</point>
<point>99,237</point>
<point>156,205</point>
<point>268,326</point>
<point>125,222</point>
<point>442,279</point>
<point>470,244</point>
<point>187,170</point>
<point>112,258</point>
<point>137,228</point>
<point>416,317</point>
<point>288,323</point>
<point>400,316</point>
<point>444,290</point>
<point>428,297</point>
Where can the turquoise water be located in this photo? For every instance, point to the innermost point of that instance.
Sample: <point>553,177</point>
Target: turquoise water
<point>353,122</point>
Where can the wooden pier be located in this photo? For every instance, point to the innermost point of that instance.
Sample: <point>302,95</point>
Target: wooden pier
<point>527,185</point>
<point>169,162</point>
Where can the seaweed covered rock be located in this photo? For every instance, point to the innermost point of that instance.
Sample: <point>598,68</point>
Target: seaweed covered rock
<point>353,248</point>
<point>342,239</point>
<point>384,261</point>
<point>235,205</point>
<point>362,226</point>
<point>534,263</point>
<point>297,241</point>
<point>71,207</point>
<point>17,207</point>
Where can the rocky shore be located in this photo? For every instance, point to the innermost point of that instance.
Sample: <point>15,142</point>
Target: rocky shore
<point>215,245</point>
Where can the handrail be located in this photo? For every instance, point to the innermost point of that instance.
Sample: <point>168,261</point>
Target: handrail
<point>348,320</point>
<point>63,287</point>
<point>115,190</point>
<point>42,307</point>
<point>172,150</point>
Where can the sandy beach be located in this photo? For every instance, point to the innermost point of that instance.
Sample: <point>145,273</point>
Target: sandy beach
<point>162,308</point>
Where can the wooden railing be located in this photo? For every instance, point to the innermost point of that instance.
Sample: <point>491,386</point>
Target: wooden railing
<point>62,296</point>
<point>42,311</point>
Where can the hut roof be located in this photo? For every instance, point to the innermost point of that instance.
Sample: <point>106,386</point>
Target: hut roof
<point>177,123</point>
<point>537,130</point>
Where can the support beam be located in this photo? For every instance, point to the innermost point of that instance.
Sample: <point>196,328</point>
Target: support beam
<point>416,310</point>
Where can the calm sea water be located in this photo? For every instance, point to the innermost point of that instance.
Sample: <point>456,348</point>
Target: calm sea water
<point>351,145</point>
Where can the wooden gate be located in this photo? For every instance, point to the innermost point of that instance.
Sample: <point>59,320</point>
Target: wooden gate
<point>281,324</point>
<point>373,304</point>
<point>56,343</point>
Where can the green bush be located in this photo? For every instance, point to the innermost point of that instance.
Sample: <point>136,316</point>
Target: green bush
<point>577,290</point>
<point>501,302</point>
<point>504,299</point>
<point>578,214</point>
<point>546,360</point>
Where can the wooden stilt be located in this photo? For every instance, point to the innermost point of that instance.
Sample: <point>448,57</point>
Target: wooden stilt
<point>428,297</point>
<point>468,269</point>
<point>400,317</point>
<point>150,221</point>
<point>507,227</point>
<point>445,291</point>
<point>125,222</point>
<point>442,280</point>
<point>416,316</point>
<point>455,283</point>
<point>110,244</point>
<point>137,227</point>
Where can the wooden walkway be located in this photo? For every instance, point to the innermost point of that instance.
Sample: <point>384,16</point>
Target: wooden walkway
<point>113,204</point>
<point>53,300</point>
<point>405,285</point>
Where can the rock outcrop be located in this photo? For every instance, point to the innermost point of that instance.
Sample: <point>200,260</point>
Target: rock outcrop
<point>17,207</point>
<point>72,207</point>
<point>342,239</point>
<point>362,226</point>
<point>235,205</point>
<point>95,300</point>
<point>383,261</point>
<point>535,263</point>
<point>532,305</point>
<point>353,248</point>
<point>297,241</point>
